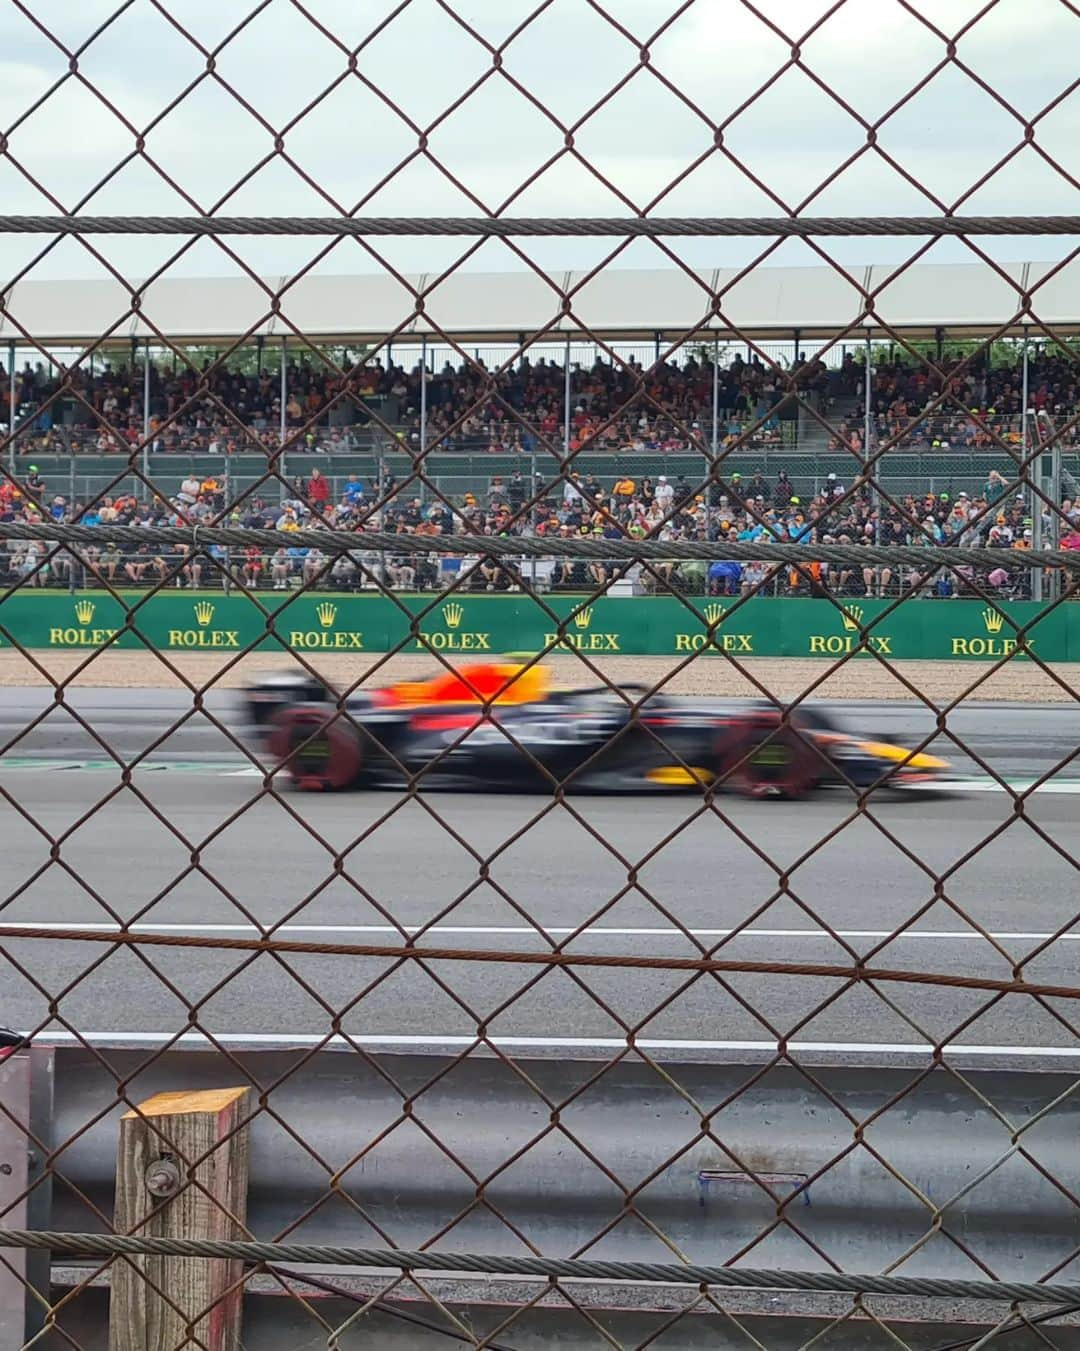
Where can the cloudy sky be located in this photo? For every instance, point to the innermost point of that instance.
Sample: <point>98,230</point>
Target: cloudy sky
<point>718,53</point>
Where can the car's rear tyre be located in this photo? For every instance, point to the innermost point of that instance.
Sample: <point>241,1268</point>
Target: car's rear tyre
<point>317,754</point>
<point>766,759</point>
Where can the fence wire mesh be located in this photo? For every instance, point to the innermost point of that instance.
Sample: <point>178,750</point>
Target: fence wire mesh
<point>538,954</point>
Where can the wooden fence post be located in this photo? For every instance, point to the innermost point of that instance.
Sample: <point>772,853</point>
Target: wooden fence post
<point>158,1143</point>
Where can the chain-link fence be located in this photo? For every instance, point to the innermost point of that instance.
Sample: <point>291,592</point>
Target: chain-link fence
<point>446,896</point>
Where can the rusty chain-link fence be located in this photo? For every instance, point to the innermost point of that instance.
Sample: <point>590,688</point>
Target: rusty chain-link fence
<point>701,1065</point>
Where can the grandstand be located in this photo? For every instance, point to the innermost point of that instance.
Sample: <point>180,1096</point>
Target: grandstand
<point>647,377</point>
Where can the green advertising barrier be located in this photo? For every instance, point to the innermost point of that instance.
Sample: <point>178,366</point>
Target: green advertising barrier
<point>479,626</point>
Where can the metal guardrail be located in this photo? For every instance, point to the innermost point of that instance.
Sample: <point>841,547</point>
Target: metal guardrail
<point>88,478</point>
<point>308,1155</point>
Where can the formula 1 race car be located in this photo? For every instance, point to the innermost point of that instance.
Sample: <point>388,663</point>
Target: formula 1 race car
<point>500,727</point>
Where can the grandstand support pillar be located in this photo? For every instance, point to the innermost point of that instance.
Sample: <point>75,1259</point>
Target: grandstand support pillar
<point>260,342</point>
<point>380,489</point>
<point>283,395</point>
<point>423,408</point>
<point>534,512</point>
<point>1056,578</point>
<point>801,420</point>
<point>715,396</point>
<point>868,422</point>
<point>12,405</point>
<point>146,409</point>
<point>566,405</point>
<point>658,338</point>
<point>226,576</point>
<point>74,559</point>
<point>1030,473</point>
<point>939,344</point>
<point>710,529</point>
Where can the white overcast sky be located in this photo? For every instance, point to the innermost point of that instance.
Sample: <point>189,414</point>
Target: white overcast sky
<point>717,52</point>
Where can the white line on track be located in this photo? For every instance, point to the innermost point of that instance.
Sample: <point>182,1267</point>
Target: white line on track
<point>1055,784</point>
<point>375,1041</point>
<point>555,931</point>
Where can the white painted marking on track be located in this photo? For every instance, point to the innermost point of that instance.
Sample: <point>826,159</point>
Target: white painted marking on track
<point>556,931</point>
<point>1056,785</point>
<point>271,1040</point>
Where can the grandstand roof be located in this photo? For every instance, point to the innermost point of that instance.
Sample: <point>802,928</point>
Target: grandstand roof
<point>617,305</point>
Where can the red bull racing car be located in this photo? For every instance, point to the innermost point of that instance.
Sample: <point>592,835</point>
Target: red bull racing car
<point>502,727</point>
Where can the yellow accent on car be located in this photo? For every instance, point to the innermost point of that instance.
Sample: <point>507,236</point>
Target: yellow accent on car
<point>674,776</point>
<point>884,750</point>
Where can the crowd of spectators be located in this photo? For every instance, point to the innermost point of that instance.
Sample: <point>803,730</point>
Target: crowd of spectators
<point>747,508</point>
<point>614,408</point>
<point>461,413</point>
<point>992,398</point>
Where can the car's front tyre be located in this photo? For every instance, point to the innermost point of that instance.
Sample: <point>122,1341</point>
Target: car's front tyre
<point>765,759</point>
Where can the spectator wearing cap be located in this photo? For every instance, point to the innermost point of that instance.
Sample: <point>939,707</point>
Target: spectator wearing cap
<point>35,484</point>
<point>1000,534</point>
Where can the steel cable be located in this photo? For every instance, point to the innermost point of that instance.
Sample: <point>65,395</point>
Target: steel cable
<point>668,1273</point>
<point>503,227</point>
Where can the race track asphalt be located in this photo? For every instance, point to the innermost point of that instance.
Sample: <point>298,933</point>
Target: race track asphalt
<point>1011,739</point>
<point>809,881</point>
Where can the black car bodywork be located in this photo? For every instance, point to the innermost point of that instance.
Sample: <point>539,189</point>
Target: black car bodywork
<point>502,728</point>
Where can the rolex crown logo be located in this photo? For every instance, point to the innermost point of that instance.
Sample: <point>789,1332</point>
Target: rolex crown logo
<point>84,611</point>
<point>583,618</point>
<point>993,619</point>
<point>852,617</point>
<point>714,612</point>
<point>204,612</point>
<point>327,613</point>
<point>453,614</point>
